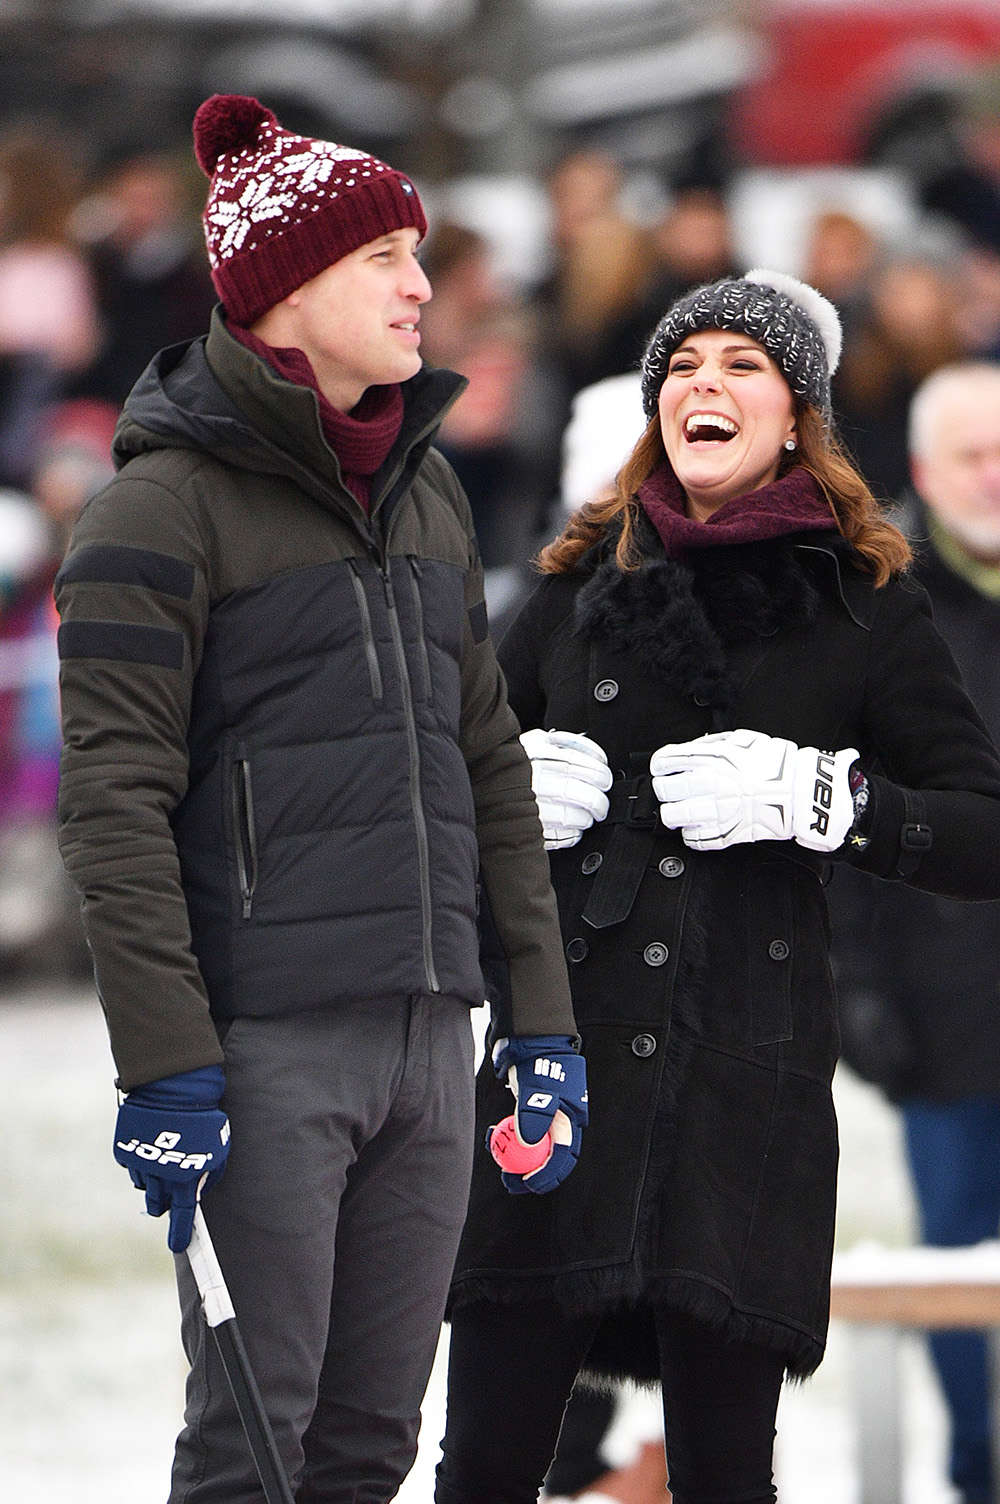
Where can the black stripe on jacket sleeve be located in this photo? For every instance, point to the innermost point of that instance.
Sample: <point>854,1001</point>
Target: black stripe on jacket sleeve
<point>478,622</point>
<point>125,641</point>
<point>120,564</point>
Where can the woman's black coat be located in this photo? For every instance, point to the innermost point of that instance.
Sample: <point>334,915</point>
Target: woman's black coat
<point>707,1177</point>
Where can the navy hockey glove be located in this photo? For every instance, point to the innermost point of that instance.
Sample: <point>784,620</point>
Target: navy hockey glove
<point>173,1138</point>
<point>547,1077</point>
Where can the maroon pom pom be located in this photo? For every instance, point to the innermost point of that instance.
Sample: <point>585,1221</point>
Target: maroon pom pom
<point>225,123</point>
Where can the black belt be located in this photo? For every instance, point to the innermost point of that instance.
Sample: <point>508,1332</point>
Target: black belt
<point>635,813</point>
<point>915,837</point>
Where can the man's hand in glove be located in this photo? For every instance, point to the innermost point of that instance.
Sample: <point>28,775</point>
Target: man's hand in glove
<point>736,786</point>
<point>547,1077</point>
<point>171,1136</point>
<point>570,778</point>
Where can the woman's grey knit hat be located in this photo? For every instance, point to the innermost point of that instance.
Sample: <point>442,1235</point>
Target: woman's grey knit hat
<point>798,327</point>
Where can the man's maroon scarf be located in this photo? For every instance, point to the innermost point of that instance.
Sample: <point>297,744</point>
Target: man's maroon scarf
<point>362,438</point>
<point>793,504</point>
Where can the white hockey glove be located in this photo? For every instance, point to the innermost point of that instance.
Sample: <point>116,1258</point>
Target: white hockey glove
<point>736,786</point>
<point>569,778</point>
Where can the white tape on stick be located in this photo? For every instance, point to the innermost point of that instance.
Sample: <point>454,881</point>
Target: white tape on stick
<point>208,1275</point>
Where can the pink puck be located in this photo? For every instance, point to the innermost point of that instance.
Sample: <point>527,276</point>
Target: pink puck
<point>512,1154</point>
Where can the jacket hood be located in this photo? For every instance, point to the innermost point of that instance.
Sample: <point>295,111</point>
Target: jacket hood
<point>177,403</point>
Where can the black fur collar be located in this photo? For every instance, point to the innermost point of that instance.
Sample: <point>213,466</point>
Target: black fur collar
<point>682,618</point>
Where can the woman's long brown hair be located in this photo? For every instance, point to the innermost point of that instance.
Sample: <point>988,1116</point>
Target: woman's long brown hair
<point>858,515</point>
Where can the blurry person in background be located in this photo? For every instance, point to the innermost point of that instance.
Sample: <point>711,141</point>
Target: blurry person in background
<point>74,463</point>
<point>141,233</point>
<point>46,294</point>
<point>979,302</point>
<point>501,431</point>
<point>48,321</point>
<point>39,911</point>
<point>605,423</point>
<point>24,549</point>
<point>29,387</point>
<point>968,188</point>
<point>841,261</point>
<point>602,260</point>
<point>917,974</point>
<point>910,330</point>
<point>691,244</point>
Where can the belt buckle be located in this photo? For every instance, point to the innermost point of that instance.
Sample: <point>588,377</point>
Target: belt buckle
<point>643,807</point>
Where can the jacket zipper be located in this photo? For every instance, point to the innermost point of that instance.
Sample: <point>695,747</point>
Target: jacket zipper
<point>246,834</point>
<point>418,611</point>
<point>371,652</point>
<point>416,801</point>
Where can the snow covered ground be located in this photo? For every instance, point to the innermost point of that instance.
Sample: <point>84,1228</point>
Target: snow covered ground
<point>91,1370</point>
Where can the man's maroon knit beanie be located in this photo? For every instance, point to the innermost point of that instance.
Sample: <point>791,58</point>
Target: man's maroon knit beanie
<point>282,208</point>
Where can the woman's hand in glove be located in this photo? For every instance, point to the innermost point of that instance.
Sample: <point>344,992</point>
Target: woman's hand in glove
<point>569,778</point>
<point>735,786</point>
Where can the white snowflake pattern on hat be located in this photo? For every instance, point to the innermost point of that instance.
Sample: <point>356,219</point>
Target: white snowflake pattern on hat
<point>235,217</point>
<point>300,173</point>
<point>317,166</point>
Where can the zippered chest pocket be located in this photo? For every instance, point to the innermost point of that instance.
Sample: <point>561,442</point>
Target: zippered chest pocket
<point>414,573</point>
<point>244,831</point>
<point>367,633</point>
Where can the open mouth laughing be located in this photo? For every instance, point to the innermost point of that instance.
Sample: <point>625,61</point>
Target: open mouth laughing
<point>709,428</point>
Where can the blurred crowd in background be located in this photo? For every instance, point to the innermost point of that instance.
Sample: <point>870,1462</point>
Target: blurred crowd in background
<point>558,239</point>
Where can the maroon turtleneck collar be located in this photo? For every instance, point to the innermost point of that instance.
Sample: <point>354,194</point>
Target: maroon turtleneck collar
<point>360,439</point>
<point>793,504</point>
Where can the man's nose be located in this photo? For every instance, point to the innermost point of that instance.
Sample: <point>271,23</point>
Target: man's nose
<point>416,285</point>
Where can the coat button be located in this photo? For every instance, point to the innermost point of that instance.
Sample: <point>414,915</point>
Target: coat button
<point>700,701</point>
<point>643,1045</point>
<point>577,950</point>
<point>591,862</point>
<point>606,690</point>
<point>671,866</point>
<point>655,954</point>
<point>778,950</point>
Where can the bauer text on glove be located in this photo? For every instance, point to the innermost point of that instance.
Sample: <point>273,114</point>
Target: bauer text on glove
<point>736,786</point>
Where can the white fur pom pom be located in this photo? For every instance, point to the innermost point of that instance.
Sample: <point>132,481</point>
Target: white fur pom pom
<point>820,309</point>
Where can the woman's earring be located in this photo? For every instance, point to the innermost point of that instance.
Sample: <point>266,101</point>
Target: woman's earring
<point>791,445</point>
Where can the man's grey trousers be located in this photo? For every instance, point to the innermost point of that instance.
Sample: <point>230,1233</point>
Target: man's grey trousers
<point>336,1224</point>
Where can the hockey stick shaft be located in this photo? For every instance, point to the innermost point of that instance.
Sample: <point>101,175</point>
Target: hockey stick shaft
<point>221,1319</point>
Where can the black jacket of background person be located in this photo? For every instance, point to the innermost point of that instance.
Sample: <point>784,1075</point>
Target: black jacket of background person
<point>701,982</point>
<point>918,975</point>
<point>288,756</point>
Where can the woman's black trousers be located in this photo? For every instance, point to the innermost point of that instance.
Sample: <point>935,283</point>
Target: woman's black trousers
<point>510,1374</point>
